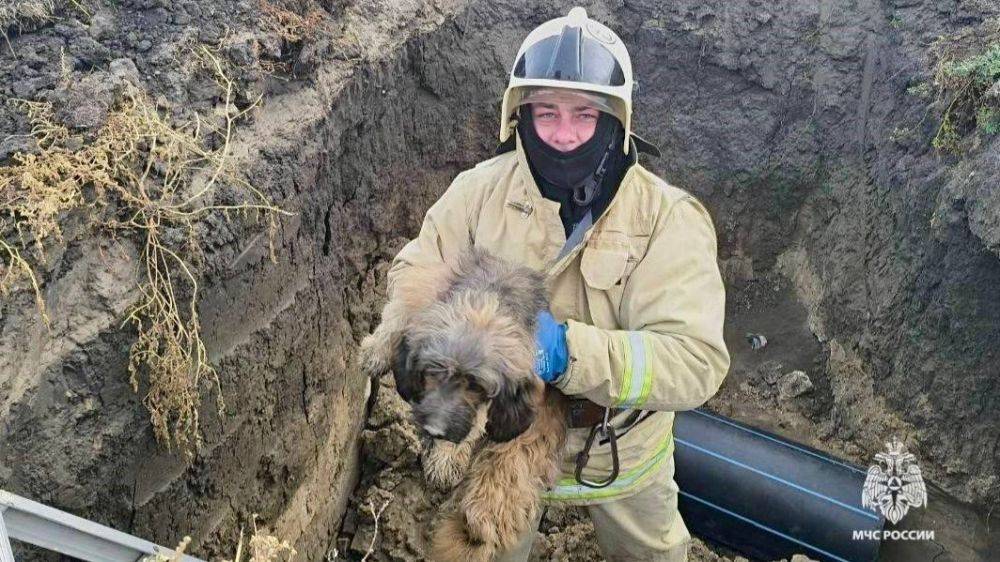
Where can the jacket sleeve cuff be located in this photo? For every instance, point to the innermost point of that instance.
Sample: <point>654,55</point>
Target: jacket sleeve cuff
<point>586,347</point>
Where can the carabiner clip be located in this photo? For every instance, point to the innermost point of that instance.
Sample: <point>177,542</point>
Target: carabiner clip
<point>583,457</point>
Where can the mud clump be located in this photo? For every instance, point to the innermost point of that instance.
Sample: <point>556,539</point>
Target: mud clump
<point>392,489</point>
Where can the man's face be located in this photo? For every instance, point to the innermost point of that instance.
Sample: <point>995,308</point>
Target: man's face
<point>564,125</point>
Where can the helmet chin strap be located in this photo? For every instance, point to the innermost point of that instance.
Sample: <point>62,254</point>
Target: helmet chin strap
<point>584,192</point>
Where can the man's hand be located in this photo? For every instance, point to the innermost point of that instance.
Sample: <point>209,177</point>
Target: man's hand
<point>552,354</point>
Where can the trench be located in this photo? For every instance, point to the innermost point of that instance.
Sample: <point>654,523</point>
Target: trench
<point>777,119</point>
<point>805,208</point>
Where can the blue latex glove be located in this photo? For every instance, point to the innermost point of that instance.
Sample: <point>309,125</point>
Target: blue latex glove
<point>552,355</point>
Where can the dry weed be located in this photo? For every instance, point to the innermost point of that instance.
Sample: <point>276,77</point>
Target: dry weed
<point>375,516</point>
<point>292,23</point>
<point>967,70</point>
<point>35,191</point>
<point>176,556</point>
<point>150,176</point>
<point>38,188</point>
<point>25,14</point>
<point>264,547</point>
<point>15,268</point>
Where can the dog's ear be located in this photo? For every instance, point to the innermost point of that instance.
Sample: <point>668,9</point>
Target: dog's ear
<point>409,385</point>
<point>511,412</point>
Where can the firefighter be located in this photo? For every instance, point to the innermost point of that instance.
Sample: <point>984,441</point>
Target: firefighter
<point>634,330</point>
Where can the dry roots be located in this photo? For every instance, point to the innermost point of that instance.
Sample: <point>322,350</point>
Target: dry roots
<point>292,20</point>
<point>145,174</point>
<point>264,547</point>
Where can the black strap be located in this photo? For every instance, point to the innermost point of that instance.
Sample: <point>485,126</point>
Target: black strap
<point>610,436</point>
<point>633,419</point>
<point>644,146</point>
<point>583,457</point>
<point>505,146</point>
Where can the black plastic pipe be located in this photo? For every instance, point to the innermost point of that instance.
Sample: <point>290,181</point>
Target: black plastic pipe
<point>766,496</point>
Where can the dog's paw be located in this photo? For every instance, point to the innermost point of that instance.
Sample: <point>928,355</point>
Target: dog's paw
<point>372,357</point>
<point>445,463</point>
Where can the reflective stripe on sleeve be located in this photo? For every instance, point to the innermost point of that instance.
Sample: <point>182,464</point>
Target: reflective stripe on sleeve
<point>637,377</point>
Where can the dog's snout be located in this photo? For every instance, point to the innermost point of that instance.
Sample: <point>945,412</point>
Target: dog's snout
<point>434,431</point>
<point>430,420</point>
<point>444,416</point>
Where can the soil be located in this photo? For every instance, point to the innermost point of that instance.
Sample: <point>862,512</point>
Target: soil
<point>869,260</point>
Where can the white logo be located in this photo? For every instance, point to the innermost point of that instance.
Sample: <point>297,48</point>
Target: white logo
<point>600,33</point>
<point>894,484</point>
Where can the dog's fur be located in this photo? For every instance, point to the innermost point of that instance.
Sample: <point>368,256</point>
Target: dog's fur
<point>460,342</point>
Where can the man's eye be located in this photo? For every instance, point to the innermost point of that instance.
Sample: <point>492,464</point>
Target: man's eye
<point>588,116</point>
<point>547,115</point>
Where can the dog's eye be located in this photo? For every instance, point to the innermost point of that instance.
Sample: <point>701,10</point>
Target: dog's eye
<point>474,386</point>
<point>432,379</point>
<point>435,377</point>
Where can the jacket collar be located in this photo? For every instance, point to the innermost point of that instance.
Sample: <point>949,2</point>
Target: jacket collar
<point>527,195</point>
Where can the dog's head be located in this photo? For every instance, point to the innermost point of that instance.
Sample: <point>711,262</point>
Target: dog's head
<point>460,357</point>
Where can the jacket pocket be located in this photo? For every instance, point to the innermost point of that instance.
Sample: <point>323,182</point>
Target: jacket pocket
<point>603,268</point>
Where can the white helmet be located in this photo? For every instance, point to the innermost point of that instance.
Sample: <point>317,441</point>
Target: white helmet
<point>571,53</point>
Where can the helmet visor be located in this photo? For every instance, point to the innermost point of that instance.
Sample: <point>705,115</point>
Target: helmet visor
<point>570,56</point>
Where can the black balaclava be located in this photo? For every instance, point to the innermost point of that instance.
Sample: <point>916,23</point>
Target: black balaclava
<point>573,178</point>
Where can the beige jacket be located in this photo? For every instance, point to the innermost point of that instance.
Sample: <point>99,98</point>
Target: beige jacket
<point>641,294</point>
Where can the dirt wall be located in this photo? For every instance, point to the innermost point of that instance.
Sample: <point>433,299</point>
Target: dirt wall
<point>73,434</point>
<point>783,119</point>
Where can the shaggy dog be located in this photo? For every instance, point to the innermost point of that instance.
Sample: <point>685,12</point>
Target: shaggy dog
<point>460,343</point>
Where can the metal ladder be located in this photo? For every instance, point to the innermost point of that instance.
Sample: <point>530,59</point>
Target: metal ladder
<point>51,529</point>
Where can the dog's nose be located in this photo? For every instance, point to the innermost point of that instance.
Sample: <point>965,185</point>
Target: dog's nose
<point>434,431</point>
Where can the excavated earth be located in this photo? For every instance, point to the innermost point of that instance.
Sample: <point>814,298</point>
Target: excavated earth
<point>869,260</point>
